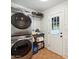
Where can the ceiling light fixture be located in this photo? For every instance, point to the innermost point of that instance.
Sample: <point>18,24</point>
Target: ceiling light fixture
<point>44,0</point>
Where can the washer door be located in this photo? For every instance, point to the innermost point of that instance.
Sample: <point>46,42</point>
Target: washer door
<point>20,21</point>
<point>21,48</point>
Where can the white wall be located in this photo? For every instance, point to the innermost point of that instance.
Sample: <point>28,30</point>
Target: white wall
<point>46,28</point>
<point>36,23</point>
<point>21,7</point>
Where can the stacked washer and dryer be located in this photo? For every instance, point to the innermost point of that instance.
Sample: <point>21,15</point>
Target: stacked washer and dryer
<point>21,32</point>
<point>21,38</point>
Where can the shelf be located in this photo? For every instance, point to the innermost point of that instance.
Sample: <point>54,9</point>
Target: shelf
<point>40,42</point>
<point>39,39</point>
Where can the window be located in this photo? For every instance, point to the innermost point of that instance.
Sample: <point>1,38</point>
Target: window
<point>55,25</point>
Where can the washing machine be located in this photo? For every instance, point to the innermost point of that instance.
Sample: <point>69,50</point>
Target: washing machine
<point>21,47</point>
<point>21,22</point>
<point>21,38</point>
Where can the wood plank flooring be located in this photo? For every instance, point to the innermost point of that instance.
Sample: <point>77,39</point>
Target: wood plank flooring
<point>46,54</point>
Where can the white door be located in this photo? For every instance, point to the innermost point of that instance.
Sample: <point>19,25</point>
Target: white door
<point>58,33</point>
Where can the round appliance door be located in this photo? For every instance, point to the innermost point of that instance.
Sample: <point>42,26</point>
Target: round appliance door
<point>21,48</point>
<point>20,21</point>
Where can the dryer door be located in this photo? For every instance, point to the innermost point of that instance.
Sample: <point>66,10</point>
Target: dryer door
<point>21,48</point>
<point>20,21</point>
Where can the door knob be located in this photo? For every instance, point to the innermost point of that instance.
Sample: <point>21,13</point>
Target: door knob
<point>61,33</point>
<point>61,36</point>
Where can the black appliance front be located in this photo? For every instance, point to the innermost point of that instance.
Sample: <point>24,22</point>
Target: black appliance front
<point>21,48</point>
<point>20,21</point>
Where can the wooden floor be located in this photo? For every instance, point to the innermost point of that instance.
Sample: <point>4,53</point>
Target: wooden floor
<point>46,54</point>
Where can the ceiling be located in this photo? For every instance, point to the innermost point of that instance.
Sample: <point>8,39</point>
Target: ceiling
<point>37,4</point>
